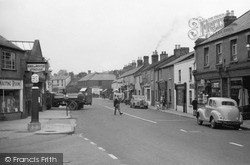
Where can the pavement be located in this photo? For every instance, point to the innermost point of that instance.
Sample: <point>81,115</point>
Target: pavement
<point>58,122</point>
<point>52,122</point>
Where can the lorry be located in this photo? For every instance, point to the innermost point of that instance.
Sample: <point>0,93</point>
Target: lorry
<point>73,101</point>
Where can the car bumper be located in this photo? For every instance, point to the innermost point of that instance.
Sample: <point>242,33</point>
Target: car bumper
<point>225,122</point>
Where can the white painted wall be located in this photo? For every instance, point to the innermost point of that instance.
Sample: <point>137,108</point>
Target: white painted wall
<point>184,67</point>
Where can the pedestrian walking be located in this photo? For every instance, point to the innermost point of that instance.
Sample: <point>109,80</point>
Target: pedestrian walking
<point>117,105</point>
<point>195,106</point>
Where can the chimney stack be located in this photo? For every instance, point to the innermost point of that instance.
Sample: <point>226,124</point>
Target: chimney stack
<point>229,18</point>
<point>163,55</point>
<point>139,62</point>
<point>179,51</point>
<point>155,57</point>
<point>146,62</point>
<point>133,64</point>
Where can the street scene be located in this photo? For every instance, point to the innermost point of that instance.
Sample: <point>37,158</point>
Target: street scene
<point>124,82</point>
<point>138,136</point>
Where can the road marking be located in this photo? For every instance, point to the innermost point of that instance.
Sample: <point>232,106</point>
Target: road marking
<point>92,143</point>
<point>236,144</point>
<point>81,135</point>
<point>102,149</point>
<point>170,120</point>
<point>133,116</point>
<point>113,156</point>
<point>194,131</point>
<point>182,130</point>
<point>86,139</point>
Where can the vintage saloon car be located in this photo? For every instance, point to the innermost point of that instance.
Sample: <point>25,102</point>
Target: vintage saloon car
<point>220,111</point>
<point>138,101</point>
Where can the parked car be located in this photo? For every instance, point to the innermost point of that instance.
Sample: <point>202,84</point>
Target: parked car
<point>220,111</point>
<point>138,101</point>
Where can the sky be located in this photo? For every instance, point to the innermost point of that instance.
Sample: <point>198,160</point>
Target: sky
<point>104,35</point>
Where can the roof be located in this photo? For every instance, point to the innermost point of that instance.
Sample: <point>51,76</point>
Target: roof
<point>6,43</point>
<point>87,77</point>
<point>240,24</point>
<point>131,72</point>
<point>59,78</point>
<point>98,76</point>
<point>24,45</point>
<point>178,59</point>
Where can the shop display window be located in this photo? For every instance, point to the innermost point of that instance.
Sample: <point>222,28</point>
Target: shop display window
<point>9,101</point>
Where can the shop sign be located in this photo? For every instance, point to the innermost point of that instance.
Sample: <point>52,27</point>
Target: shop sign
<point>11,84</point>
<point>36,67</point>
<point>216,85</point>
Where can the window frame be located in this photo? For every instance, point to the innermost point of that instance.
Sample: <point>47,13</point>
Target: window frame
<point>218,53</point>
<point>8,63</point>
<point>233,50</point>
<point>206,56</point>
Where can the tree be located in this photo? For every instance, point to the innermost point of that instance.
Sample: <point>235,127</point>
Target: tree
<point>62,72</point>
<point>81,74</point>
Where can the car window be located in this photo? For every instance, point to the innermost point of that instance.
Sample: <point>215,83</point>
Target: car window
<point>228,103</point>
<point>210,102</point>
<point>214,103</point>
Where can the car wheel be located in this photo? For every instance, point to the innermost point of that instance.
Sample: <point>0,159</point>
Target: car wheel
<point>199,121</point>
<point>213,123</point>
<point>237,127</point>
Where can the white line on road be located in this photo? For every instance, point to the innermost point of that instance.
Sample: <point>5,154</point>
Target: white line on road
<point>102,149</point>
<point>236,144</point>
<point>81,135</point>
<point>92,143</point>
<point>182,130</point>
<point>86,139</point>
<point>134,116</point>
<point>113,156</point>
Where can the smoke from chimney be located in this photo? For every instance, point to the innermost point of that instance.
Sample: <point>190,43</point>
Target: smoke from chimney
<point>173,27</point>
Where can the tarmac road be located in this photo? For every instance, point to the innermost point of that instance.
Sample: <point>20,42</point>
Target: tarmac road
<point>146,136</point>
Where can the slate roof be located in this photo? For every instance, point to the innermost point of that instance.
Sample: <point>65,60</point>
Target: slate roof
<point>98,76</point>
<point>178,59</point>
<point>240,24</point>
<point>4,42</point>
<point>131,72</point>
<point>59,78</point>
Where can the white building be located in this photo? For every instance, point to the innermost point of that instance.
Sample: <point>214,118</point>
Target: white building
<point>60,82</point>
<point>184,84</point>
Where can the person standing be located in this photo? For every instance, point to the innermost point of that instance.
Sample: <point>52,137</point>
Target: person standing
<point>117,105</point>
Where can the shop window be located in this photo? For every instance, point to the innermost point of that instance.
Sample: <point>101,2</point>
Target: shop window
<point>218,54</point>
<point>233,50</point>
<point>8,60</point>
<point>206,56</point>
<point>9,101</point>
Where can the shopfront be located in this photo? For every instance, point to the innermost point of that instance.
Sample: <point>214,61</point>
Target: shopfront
<point>11,99</point>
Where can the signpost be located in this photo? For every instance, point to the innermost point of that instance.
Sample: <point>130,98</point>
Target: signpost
<point>35,67</point>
